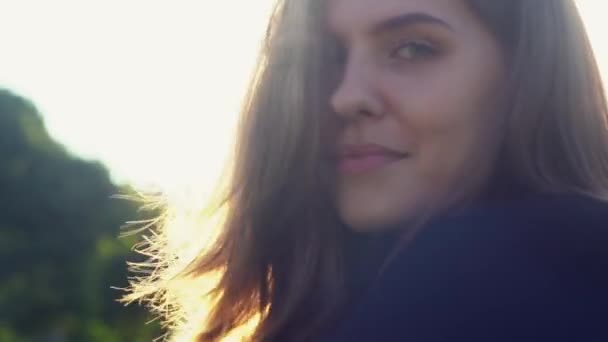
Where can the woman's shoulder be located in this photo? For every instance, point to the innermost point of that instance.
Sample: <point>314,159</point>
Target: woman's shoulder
<point>540,210</point>
<point>538,227</point>
<point>561,231</point>
<point>531,269</point>
<point>542,226</point>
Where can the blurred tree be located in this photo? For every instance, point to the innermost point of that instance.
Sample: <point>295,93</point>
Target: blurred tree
<point>59,245</point>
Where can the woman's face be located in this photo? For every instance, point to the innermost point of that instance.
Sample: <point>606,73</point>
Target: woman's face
<point>417,107</point>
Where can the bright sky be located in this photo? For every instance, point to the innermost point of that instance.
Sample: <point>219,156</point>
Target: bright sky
<point>149,87</point>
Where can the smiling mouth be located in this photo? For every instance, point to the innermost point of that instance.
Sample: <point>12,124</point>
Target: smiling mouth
<point>357,164</point>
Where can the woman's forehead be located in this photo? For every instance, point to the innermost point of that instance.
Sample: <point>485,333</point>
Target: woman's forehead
<point>346,17</point>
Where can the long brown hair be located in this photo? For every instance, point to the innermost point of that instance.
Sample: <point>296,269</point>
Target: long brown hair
<point>278,254</point>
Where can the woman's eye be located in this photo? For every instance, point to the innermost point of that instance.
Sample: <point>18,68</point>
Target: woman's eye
<point>413,50</point>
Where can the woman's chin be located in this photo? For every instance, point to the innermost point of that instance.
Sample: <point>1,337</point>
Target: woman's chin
<point>364,221</point>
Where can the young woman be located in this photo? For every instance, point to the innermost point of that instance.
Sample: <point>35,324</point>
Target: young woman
<point>414,170</point>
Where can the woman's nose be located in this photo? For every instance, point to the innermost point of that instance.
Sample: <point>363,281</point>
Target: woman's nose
<point>356,94</point>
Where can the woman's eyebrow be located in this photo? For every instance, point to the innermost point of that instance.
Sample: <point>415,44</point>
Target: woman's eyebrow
<point>408,19</point>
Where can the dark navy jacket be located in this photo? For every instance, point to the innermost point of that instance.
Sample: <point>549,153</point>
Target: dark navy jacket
<point>534,269</point>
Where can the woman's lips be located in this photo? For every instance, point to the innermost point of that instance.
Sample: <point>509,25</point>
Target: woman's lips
<point>365,158</point>
<point>365,163</point>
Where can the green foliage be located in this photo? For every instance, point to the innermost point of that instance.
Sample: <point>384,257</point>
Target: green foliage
<point>59,243</point>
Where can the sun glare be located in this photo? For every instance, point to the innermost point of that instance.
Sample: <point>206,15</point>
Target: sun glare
<point>150,88</point>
